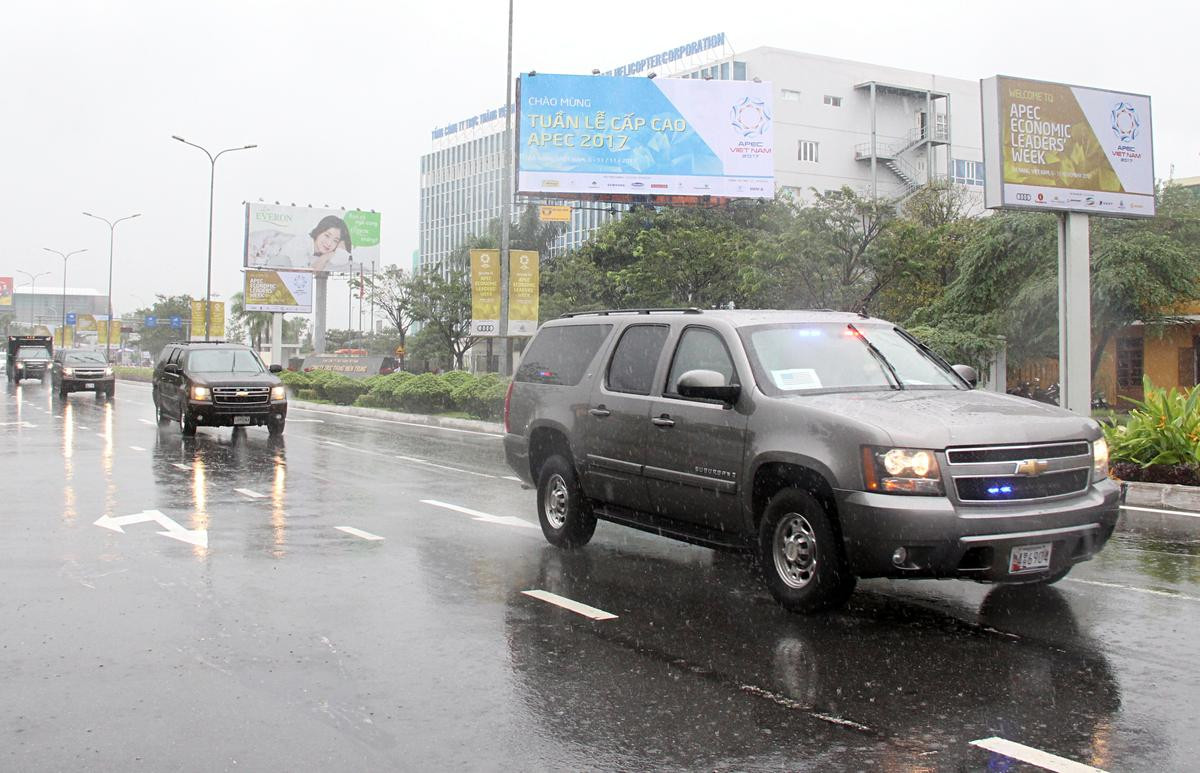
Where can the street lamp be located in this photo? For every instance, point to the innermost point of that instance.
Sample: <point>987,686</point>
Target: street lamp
<point>63,335</point>
<point>211,184</point>
<point>32,288</point>
<point>112,225</point>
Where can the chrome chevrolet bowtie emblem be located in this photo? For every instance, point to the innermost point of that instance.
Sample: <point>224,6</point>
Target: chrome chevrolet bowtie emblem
<point>240,393</point>
<point>1032,467</point>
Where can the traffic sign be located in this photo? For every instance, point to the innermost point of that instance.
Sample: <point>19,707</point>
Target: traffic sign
<point>177,322</point>
<point>71,318</point>
<point>151,321</point>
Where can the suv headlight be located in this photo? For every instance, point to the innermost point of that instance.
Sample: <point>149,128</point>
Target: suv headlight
<point>20,366</point>
<point>201,393</point>
<point>902,471</point>
<point>68,371</point>
<point>1099,459</point>
<point>108,371</point>
<point>279,392</point>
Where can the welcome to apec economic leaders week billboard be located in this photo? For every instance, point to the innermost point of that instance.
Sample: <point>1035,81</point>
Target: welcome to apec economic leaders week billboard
<point>1050,146</point>
<point>598,136</point>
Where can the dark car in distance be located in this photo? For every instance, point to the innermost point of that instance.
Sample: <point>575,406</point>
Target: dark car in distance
<point>82,370</point>
<point>217,385</point>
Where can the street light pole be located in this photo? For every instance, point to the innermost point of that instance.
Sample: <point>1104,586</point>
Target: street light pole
<point>212,181</point>
<point>62,336</point>
<point>32,291</point>
<point>112,225</point>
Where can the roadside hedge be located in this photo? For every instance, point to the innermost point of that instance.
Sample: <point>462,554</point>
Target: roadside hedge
<point>456,391</point>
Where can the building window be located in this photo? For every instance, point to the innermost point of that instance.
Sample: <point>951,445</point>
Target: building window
<point>807,151</point>
<point>968,172</point>
<point>1129,362</point>
<point>833,101</point>
<point>739,71</point>
<point>789,95</point>
<point>724,71</point>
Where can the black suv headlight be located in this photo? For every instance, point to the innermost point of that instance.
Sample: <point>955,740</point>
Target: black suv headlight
<point>279,392</point>
<point>902,471</point>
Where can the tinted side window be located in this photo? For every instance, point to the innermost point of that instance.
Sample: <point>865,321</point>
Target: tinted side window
<point>635,359</point>
<point>560,355</point>
<point>700,349</point>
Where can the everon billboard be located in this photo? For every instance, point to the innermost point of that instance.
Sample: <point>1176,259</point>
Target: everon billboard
<point>1054,147</point>
<point>594,136</point>
<point>307,238</point>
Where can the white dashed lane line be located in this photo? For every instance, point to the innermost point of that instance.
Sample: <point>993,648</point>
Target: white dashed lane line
<point>180,466</point>
<point>1186,513</point>
<point>359,533</point>
<point>136,448</point>
<point>1041,759</point>
<point>569,604</point>
<point>252,494</point>
<point>503,520</point>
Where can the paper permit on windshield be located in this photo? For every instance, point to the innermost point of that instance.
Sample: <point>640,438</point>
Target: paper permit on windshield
<point>796,378</point>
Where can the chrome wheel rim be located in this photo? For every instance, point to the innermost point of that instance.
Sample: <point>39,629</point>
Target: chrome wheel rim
<point>183,420</point>
<point>795,550</point>
<point>558,498</point>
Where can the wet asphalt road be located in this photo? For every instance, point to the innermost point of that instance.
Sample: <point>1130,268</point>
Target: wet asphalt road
<point>288,644</point>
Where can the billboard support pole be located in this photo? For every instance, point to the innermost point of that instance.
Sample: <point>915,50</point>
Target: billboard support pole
<point>506,207</point>
<point>320,285</point>
<point>276,339</point>
<point>1074,313</point>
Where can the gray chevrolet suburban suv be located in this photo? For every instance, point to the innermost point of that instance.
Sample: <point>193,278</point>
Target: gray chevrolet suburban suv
<point>831,445</point>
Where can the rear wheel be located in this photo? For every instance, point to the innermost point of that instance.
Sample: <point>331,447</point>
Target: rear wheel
<point>187,422</point>
<point>800,555</point>
<point>564,513</point>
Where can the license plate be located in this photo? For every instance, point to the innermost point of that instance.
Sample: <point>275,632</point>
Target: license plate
<point>239,421</point>
<point>1029,558</point>
<point>89,386</point>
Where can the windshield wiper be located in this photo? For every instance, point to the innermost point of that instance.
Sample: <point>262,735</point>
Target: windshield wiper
<point>878,355</point>
<point>929,353</point>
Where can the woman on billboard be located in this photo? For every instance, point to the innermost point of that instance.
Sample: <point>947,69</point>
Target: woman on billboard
<point>324,248</point>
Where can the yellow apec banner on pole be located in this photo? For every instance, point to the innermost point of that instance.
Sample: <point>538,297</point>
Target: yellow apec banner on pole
<point>523,280</point>
<point>548,213</point>
<point>108,335</point>
<point>69,335</point>
<point>216,322</point>
<point>84,322</point>
<point>485,292</point>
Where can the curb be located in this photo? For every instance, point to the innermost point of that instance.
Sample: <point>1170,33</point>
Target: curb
<point>1160,509</point>
<point>471,425</point>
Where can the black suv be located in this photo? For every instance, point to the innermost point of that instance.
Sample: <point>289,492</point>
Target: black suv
<point>82,370</point>
<point>217,385</point>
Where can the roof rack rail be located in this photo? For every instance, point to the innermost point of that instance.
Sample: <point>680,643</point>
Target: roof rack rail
<point>606,312</point>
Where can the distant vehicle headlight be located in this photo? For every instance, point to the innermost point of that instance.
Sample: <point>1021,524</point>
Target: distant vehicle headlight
<point>279,392</point>
<point>902,471</point>
<point>201,393</point>
<point>1099,459</point>
<point>68,371</point>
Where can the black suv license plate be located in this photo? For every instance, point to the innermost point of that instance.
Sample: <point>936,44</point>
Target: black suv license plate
<point>241,421</point>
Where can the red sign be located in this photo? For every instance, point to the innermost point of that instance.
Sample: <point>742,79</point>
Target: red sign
<point>6,291</point>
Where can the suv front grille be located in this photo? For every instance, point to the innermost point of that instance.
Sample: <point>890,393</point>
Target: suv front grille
<point>1016,453</point>
<point>1000,488</point>
<point>998,474</point>
<point>249,395</point>
<point>79,373</point>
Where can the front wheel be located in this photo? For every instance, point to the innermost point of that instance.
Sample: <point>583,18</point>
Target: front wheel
<point>800,556</point>
<point>160,415</point>
<point>564,513</point>
<point>275,426</point>
<point>187,422</point>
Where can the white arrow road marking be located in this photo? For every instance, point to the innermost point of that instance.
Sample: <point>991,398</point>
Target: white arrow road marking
<point>197,537</point>
<point>247,492</point>
<point>180,466</point>
<point>358,532</point>
<point>1017,751</point>
<point>137,448</point>
<point>505,520</point>
<point>566,603</point>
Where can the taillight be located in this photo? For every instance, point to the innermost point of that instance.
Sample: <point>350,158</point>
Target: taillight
<point>507,402</point>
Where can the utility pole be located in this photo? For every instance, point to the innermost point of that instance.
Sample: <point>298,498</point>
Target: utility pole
<point>112,225</point>
<point>32,291</point>
<point>64,256</point>
<point>506,207</point>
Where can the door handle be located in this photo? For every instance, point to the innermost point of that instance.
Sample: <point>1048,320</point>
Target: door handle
<point>600,412</point>
<point>663,421</point>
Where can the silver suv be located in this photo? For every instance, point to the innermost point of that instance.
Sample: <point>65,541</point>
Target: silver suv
<point>831,445</point>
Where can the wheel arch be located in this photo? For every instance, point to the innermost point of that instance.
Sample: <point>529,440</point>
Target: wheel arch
<point>773,475</point>
<point>546,440</point>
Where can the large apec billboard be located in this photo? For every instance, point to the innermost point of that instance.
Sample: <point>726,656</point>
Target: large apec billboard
<point>1054,147</point>
<point>278,291</point>
<point>308,238</point>
<point>596,136</point>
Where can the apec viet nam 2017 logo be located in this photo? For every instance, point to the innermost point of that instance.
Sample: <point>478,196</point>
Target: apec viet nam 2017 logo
<point>1125,123</point>
<point>750,117</point>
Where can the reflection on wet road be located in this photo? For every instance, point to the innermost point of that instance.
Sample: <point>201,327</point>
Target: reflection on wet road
<point>289,640</point>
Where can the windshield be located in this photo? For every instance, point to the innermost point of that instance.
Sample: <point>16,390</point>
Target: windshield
<point>84,358</point>
<point>32,353</point>
<point>224,361</point>
<point>796,358</point>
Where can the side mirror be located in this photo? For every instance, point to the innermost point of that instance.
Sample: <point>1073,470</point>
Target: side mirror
<point>707,385</point>
<point>173,368</point>
<point>968,374</point>
<point>276,368</point>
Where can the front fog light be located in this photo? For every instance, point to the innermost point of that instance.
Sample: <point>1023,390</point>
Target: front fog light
<point>1099,459</point>
<point>278,393</point>
<point>901,471</point>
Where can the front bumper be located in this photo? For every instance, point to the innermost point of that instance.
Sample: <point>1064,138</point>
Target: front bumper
<point>942,539</point>
<point>81,384</point>
<point>209,414</point>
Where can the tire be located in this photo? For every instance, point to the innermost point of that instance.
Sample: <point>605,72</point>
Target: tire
<point>187,424</point>
<point>110,392</point>
<point>564,513</point>
<point>800,554</point>
<point>160,415</point>
<point>275,427</point>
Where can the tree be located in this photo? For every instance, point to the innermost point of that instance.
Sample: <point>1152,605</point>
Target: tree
<point>443,305</point>
<point>390,290</point>
<point>153,339</point>
<point>257,324</point>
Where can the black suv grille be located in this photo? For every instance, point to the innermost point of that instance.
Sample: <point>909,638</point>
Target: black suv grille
<point>1007,487</point>
<point>249,395</point>
<point>89,373</point>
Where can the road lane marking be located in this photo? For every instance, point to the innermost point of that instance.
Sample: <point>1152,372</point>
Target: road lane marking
<point>566,603</point>
<point>504,520</point>
<point>136,448</point>
<point>102,436</point>
<point>789,703</point>
<point>1147,591</point>
<point>358,532</point>
<point>1188,513</point>
<point>398,421</point>
<point>198,537</point>
<point>81,428</point>
<point>146,421</point>
<point>512,477</point>
<point>249,493</point>
<point>305,421</point>
<point>428,463</point>
<point>1045,760</point>
<point>178,466</point>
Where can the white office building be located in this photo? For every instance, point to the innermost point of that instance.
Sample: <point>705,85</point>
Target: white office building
<point>880,130</point>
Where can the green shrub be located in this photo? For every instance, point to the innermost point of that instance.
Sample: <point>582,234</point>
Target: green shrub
<point>134,373</point>
<point>481,397</point>
<point>425,393</point>
<point>307,394</point>
<point>1164,428</point>
<point>295,380</point>
<point>340,389</point>
<point>456,378</point>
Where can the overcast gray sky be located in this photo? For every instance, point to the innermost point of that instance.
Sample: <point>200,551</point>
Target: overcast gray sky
<point>341,98</point>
